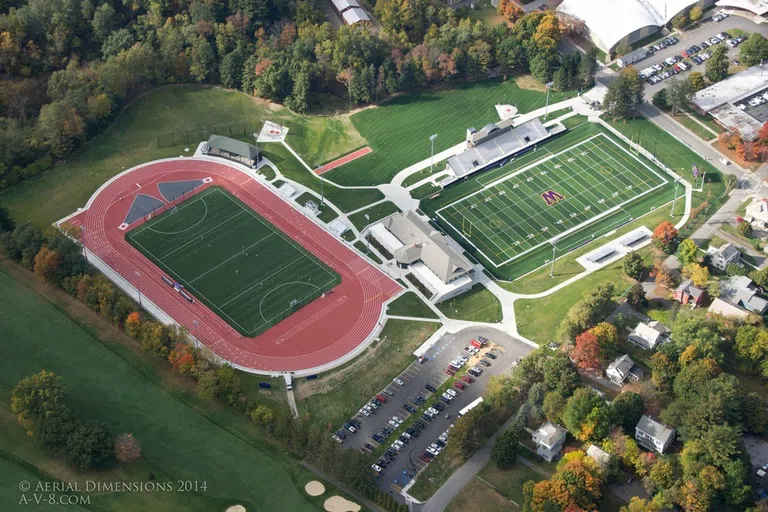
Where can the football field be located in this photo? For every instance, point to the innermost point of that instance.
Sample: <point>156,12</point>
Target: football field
<point>237,263</point>
<point>556,195</point>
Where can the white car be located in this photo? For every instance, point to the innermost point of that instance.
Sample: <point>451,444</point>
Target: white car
<point>433,451</point>
<point>451,391</point>
<point>433,410</point>
<point>396,446</point>
<point>447,396</point>
<point>376,468</point>
<point>399,381</point>
<point>337,439</point>
<point>397,420</point>
<point>393,423</point>
<point>443,438</point>
<point>365,413</point>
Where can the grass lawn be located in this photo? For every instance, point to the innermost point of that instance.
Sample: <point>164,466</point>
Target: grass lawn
<point>476,305</point>
<point>363,247</point>
<point>510,482</point>
<point>702,132</point>
<point>567,266</point>
<point>233,260</point>
<point>420,175</point>
<point>337,395</point>
<point>398,130</point>
<point>181,436</point>
<point>326,214</point>
<point>424,190</point>
<point>479,497</point>
<point>483,11</point>
<point>345,199</point>
<point>538,319</point>
<point>133,140</point>
<point>434,476</point>
<point>410,304</point>
<point>374,213</point>
<point>268,172</point>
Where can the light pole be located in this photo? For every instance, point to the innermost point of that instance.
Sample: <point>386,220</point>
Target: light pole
<point>552,266</point>
<point>138,284</point>
<point>432,154</point>
<point>368,236</point>
<point>546,106</point>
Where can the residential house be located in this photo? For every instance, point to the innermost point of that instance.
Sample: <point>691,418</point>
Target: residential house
<point>648,336</point>
<point>600,456</point>
<point>757,213</point>
<point>623,368</point>
<point>721,257</point>
<point>686,293</point>
<point>652,435</point>
<point>549,439</point>
<point>738,298</point>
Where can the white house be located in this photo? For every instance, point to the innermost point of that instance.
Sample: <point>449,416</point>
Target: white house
<point>549,439</point>
<point>649,335</point>
<point>621,368</point>
<point>653,435</point>
<point>723,256</point>
<point>757,213</point>
<point>738,298</point>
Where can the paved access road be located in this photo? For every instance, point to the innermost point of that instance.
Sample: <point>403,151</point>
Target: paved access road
<point>415,377</point>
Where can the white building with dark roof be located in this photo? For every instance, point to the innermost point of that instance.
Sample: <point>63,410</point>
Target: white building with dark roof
<point>653,435</point>
<point>623,368</point>
<point>610,23</point>
<point>416,245</point>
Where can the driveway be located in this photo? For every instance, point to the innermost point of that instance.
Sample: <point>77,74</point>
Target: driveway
<point>398,473</point>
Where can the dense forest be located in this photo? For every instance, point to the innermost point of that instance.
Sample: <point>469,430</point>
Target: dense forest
<point>69,65</point>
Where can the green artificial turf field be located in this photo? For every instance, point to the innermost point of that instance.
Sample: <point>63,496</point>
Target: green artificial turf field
<point>560,193</point>
<point>553,193</point>
<point>233,260</point>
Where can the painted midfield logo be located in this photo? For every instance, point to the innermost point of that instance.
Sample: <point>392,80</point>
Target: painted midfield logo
<point>551,197</point>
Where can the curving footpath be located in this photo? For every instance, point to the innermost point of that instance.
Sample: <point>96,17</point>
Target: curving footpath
<point>320,333</point>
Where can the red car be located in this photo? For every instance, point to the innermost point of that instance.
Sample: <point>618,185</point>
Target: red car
<point>459,385</point>
<point>449,371</point>
<point>476,344</point>
<point>468,379</point>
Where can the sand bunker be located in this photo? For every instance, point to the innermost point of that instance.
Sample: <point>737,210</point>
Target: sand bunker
<point>236,508</point>
<point>339,504</point>
<point>314,488</point>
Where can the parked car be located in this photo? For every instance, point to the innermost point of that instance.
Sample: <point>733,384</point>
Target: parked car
<point>468,379</point>
<point>459,385</point>
<point>438,406</point>
<point>485,362</point>
<point>430,387</point>
<point>491,355</point>
<point>399,381</point>
<point>376,468</point>
<point>447,396</point>
<point>452,392</point>
<point>411,409</point>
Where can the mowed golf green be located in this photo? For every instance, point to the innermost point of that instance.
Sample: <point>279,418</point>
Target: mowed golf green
<point>236,262</point>
<point>108,383</point>
<point>398,130</point>
<point>561,193</point>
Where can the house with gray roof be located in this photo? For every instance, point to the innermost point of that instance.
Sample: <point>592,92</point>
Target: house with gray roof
<point>427,253</point>
<point>623,368</point>
<point>738,298</point>
<point>687,293</point>
<point>549,439</point>
<point>648,336</point>
<point>721,257</point>
<point>653,435</point>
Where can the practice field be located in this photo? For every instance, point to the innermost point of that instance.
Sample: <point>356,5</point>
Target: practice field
<point>556,195</point>
<point>233,260</point>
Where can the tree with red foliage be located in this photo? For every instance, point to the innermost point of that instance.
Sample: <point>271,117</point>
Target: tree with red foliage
<point>133,325</point>
<point>664,237</point>
<point>587,353</point>
<point>127,448</point>
<point>182,358</point>
<point>746,151</point>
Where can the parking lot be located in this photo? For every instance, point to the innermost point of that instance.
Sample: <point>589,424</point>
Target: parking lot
<point>403,400</point>
<point>704,32</point>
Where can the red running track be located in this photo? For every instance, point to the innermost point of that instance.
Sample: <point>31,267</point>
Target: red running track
<point>344,160</point>
<point>319,333</point>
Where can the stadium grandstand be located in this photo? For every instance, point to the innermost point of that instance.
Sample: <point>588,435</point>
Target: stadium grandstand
<point>610,23</point>
<point>233,149</point>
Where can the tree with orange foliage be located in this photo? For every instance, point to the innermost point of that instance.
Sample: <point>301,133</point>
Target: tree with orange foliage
<point>133,325</point>
<point>587,353</point>
<point>182,358</point>
<point>662,274</point>
<point>664,237</point>
<point>510,11</point>
<point>47,263</point>
<point>547,35</point>
<point>575,486</point>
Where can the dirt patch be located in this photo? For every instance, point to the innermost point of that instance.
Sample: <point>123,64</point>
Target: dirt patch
<point>339,504</point>
<point>530,83</point>
<point>314,488</point>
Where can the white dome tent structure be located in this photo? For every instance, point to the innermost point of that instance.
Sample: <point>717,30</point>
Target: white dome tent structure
<point>612,22</point>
